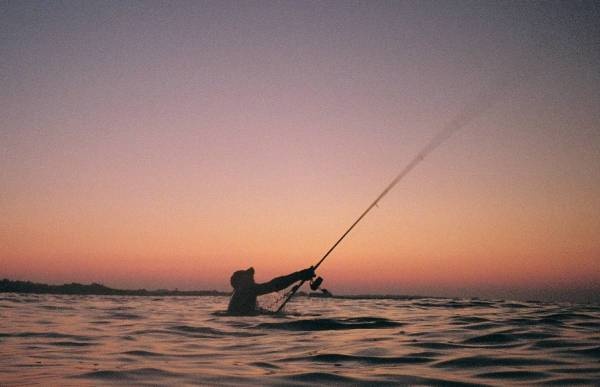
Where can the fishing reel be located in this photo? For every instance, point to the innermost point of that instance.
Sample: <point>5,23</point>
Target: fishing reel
<point>315,283</point>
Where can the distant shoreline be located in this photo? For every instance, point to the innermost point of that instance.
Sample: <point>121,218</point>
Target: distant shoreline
<point>95,289</point>
<point>9,286</point>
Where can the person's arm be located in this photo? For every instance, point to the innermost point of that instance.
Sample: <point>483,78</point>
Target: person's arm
<point>279,283</point>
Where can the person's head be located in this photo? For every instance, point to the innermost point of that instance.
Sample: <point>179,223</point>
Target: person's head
<point>242,278</point>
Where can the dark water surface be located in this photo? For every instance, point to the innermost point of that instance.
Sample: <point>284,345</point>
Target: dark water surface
<point>92,340</point>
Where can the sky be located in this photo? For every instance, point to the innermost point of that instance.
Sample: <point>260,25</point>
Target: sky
<point>168,144</point>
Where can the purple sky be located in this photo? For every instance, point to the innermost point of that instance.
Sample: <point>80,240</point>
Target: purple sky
<point>166,144</point>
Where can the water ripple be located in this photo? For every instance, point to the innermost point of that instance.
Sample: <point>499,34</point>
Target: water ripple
<point>132,374</point>
<point>100,340</point>
<point>339,358</point>
<point>469,362</point>
<point>492,338</point>
<point>324,324</point>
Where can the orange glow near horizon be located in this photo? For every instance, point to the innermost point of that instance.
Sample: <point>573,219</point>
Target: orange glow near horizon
<point>141,153</point>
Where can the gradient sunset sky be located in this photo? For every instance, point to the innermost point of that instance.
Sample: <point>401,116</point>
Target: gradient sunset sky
<point>167,144</point>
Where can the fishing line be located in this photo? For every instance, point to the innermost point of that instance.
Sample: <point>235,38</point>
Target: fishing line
<point>483,103</point>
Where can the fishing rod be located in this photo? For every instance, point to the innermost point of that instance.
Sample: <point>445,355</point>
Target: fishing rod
<point>434,143</point>
<point>482,104</point>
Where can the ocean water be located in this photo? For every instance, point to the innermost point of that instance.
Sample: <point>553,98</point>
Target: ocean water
<point>99,340</point>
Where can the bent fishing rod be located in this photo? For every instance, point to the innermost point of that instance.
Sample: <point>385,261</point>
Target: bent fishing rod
<point>459,122</point>
<point>434,143</point>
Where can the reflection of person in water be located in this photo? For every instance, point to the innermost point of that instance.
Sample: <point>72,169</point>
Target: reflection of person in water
<point>245,290</point>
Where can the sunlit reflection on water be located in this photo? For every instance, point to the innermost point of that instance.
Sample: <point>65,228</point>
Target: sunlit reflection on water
<point>78,340</point>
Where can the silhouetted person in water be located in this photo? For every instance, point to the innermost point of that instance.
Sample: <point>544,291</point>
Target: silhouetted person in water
<point>245,290</point>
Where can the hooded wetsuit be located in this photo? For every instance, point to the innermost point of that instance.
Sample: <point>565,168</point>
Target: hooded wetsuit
<point>243,299</point>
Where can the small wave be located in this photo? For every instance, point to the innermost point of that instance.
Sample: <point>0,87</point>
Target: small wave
<point>563,317</point>
<point>482,326</point>
<point>48,335</point>
<point>487,361</point>
<point>151,332</point>
<point>263,364</point>
<point>576,370</point>
<point>468,319</point>
<point>325,324</point>
<point>323,378</point>
<point>572,316</point>
<point>259,312</point>
<point>427,354</point>
<point>590,352</point>
<point>128,374</point>
<point>208,332</point>
<point>556,343</point>
<point>100,322</point>
<point>22,299</point>
<point>339,358</point>
<point>128,338</point>
<point>69,343</point>
<point>143,353</point>
<point>454,304</point>
<point>570,381</point>
<point>588,324</point>
<point>151,354</point>
<point>55,307</point>
<point>436,345</point>
<point>514,305</point>
<point>410,380</point>
<point>124,316</point>
<point>428,305</point>
<point>535,335</point>
<point>525,375</point>
<point>202,330</point>
<point>492,338</point>
<point>523,321</point>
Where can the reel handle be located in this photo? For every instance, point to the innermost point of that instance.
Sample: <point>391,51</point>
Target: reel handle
<point>314,284</point>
